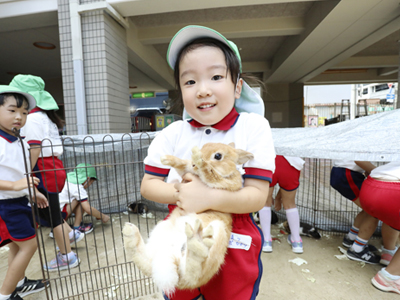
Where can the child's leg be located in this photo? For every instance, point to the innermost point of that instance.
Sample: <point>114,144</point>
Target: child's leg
<point>74,207</point>
<point>292,214</point>
<point>90,210</point>
<point>389,240</point>
<point>265,217</point>
<point>61,235</point>
<point>21,254</point>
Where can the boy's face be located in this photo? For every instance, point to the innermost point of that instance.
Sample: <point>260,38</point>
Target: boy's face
<point>12,116</point>
<point>208,92</point>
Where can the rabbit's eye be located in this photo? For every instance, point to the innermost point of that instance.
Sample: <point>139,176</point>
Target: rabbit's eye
<point>218,156</point>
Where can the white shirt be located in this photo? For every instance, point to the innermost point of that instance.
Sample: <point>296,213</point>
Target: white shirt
<point>249,132</point>
<point>40,128</point>
<point>390,171</point>
<point>295,162</point>
<point>12,166</point>
<point>348,164</point>
<point>70,192</point>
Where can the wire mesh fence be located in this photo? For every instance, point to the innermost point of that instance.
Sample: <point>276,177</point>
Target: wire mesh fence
<point>104,271</point>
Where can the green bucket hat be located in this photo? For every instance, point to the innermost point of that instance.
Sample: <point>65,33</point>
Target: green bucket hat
<point>6,89</point>
<point>249,100</point>
<point>81,173</point>
<point>34,85</point>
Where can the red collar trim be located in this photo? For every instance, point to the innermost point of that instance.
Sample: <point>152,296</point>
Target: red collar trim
<point>36,109</point>
<point>225,124</point>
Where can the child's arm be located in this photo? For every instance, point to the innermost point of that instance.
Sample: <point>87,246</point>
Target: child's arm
<point>35,152</point>
<point>195,196</point>
<point>154,188</point>
<point>366,166</point>
<point>18,185</point>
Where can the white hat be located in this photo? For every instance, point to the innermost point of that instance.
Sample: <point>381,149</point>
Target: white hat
<point>249,100</point>
<point>6,89</point>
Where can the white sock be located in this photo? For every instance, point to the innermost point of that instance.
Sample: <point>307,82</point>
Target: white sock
<point>265,222</point>
<point>353,233</point>
<point>391,252</point>
<point>21,282</point>
<point>293,219</point>
<point>71,234</point>
<point>359,244</point>
<point>4,297</point>
<point>388,275</point>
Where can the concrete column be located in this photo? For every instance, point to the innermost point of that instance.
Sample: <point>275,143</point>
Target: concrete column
<point>105,71</point>
<point>284,104</point>
<point>398,80</point>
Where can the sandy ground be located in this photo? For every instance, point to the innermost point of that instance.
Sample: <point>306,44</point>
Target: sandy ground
<point>322,276</point>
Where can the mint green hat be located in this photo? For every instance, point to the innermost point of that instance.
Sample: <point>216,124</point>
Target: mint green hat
<point>6,89</point>
<point>81,173</point>
<point>34,85</point>
<point>249,100</point>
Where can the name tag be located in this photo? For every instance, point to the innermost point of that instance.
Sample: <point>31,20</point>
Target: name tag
<point>240,241</point>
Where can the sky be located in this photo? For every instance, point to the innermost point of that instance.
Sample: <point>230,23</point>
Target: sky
<point>326,93</point>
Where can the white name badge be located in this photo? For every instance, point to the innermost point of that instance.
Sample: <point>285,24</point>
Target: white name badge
<point>240,241</point>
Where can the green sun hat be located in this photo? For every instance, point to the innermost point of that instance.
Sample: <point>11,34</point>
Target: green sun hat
<point>81,173</point>
<point>6,89</point>
<point>34,85</point>
<point>249,100</point>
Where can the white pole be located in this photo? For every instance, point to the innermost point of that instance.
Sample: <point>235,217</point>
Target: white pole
<point>77,57</point>
<point>353,101</point>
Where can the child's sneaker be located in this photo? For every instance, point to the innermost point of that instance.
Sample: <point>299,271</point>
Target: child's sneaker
<point>381,282</point>
<point>85,228</point>
<point>15,296</point>
<point>347,242</point>
<point>77,237</point>
<point>51,235</point>
<point>297,247</point>
<point>267,246</point>
<point>386,256</point>
<point>59,263</point>
<point>31,286</point>
<point>366,255</point>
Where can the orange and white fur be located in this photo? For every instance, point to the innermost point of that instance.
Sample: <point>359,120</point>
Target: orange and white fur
<point>186,250</point>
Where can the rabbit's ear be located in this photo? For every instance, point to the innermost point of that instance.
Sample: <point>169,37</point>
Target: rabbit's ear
<point>244,156</point>
<point>232,144</point>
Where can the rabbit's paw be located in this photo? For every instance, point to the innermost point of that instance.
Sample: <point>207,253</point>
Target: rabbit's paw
<point>168,160</point>
<point>131,235</point>
<point>208,236</point>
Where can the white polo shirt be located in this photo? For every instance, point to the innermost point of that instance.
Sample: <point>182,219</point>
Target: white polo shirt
<point>70,192</point>
<point>40,128</point>
<point>390,171</point>
<point>348,164</point>
<point>12,167</point>
<point>295,162</point>
<point>250,132</point>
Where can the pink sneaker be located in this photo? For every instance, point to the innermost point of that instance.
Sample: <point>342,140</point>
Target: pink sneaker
<point>385,284</point>
<point>385,258</point>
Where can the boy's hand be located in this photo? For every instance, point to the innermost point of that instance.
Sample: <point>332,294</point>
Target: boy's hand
<point>41,200</point>
<point>23,184</point>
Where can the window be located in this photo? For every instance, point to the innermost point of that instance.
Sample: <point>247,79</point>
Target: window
<point>381,87</point>
<point>365,91</point>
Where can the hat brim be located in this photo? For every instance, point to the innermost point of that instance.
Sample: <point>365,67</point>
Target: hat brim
<point>188,34</point>
<point>29,97</point>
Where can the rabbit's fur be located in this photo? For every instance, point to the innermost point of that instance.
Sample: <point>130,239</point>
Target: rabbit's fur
<point>186,250</point>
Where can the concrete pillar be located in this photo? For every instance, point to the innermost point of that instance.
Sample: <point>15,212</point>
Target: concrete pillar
<point>284,104</point>
<point>398,80</point>
<point>105,68</point>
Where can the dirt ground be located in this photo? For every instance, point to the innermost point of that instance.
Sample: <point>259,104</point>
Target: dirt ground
<point>322,276</point>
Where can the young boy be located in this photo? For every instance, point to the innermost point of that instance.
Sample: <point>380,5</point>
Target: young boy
<point>16,222</point>
<point>73,198</point>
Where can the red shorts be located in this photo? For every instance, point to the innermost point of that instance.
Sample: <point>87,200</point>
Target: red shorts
<point>381,199</point>
<point>239,277</point>
<point>52,176</point>
<point>285,175</point>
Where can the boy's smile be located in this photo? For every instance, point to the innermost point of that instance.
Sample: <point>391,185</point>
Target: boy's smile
<point>12,116</point>
<point>208,92</point>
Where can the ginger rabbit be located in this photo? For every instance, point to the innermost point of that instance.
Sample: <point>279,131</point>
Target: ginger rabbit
<point>187,249</point>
